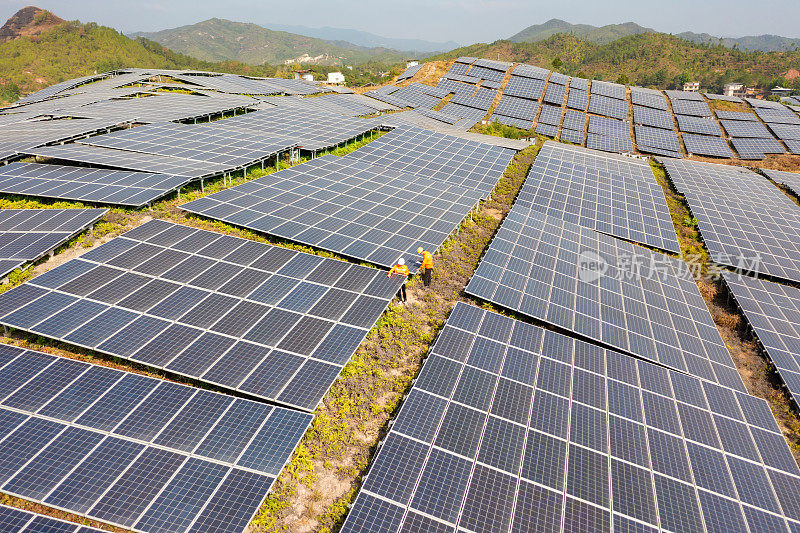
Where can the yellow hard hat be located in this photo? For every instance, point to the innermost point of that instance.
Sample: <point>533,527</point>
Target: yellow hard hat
<point>420,250</point>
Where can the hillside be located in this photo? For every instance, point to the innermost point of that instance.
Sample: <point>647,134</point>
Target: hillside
<point>363,38</point>
<point>648,59</point>
<point>612,32</point>
<point>41,53</point>
<point>219,40</point>
<point>585,32</point>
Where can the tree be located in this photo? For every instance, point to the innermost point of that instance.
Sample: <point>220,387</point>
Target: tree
<point>623,80</point>
<point>557,63</point>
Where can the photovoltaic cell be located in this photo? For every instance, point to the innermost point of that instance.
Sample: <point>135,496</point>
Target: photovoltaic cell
<point>703,126</point>
<point>608,107</point>
<point>693,108</point>
<point>791,180</point>
<point>704,145</point>
<point>131,469</point>
<point>346,206</point>
<point>523,87</point>
<point>14,520</point>
<point>26,235</point>
<point>616,195</point>
<point>223,316</point>
<point>743,128</point>
<point>652,117</point>
<point>752,148</point>
<point>587,463</point>
<point>604,289</point>
<point>660,139</point>
<point>745,221</point>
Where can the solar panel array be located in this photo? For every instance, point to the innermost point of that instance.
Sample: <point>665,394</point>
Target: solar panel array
<point>312,130</point>
<point>793,146</point>
<point>410,72</point>
<point>772,309</point>
<point>605,289</point>
<point>26,235</point>
<point>123,159</point>
<point>756,148</point>
<point>734,99</point>
<point>616,195</point>
<point>574,120</point>
<point>510,427</point>
<point>134,451</point>
<point>267,321</point>
<point>661,141</point>
<point>743,128</point>
<point>550,115</point>
<point>745,221</point>
<point>786,132</point>
<point>213,143</point>
<point>652,117</point>
<point>573,136</point>
<point>611,90</point>
<point>691,107</point>
<point>608,135</point>
<point>736,115</point>
<point>438,156</point>
<point>648,98</point>
<point>18,521</point>
<point>134,189</point>
<point>777,116</point>
<point>703,126</point>
<point>555,93</point>
<point>578,99</point>
<point>346,206</point>
<point>608,107</point>
<point>530,88</point>
<point>704,145</point>
<point>684,95</point>
<point>791,180</point>
<point>521,108</point>
<point>548,130</point>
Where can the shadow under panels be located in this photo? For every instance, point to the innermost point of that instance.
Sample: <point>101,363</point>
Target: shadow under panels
<point>745,221</point>
<point>28,234</point>
<point>135,451</point>
<point>346,206</point>
<point>625,296</point>
<point>513,428</point>
<point>264,320</point>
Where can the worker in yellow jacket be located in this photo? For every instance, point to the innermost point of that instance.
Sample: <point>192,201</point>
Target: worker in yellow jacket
<point>402,270</point>
<point>427,266</point>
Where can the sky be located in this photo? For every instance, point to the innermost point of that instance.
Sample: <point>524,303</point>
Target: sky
<point>463,21</point>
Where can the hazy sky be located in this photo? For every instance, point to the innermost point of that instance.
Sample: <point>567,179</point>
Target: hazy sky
<point>464,21</point>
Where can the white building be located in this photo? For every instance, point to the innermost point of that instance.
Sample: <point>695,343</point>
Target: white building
<point>412,63</point>
<point>733,89</point>
<point>336,78</point>
<point>305,75</point>
<point>691,86</point>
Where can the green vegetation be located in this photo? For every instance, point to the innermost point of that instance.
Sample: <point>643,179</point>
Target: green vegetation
<point>647,59</point>
<point>219,39</point>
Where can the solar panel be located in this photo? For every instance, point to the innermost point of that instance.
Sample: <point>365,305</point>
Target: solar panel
<point>464,78</point>
<point>788,179</point>
<point>607,125</point>
<point>548,130</point>
<point>410,72</point>
<point>736,115</point>
<point>611,90</point>
<point>667,140</point>
<point>530,88</point>
<point>684,95</point>
<point>213,143</point>
<point>550,115</point>
<point>793,146</point>
<point>466,60</point>
<point>616,142</point>
<point>768,104</point>
<point>486,73</point>
<point>135,451</point>
<point>579,83</point>
<point>710,146</point>
<point>757,148</point>
<point>652,117</point>
<point>456,87</point>
<point>616,195</point>
<point>27,235</point>
<point>745,221</point>
<point>691,107</point>
<point>734,99</point>
<point>555,93</point>
<point>602,288</point>
<point>267,321</point>
<point>510,427</point>
<point>134,189</point>
<point>574,120</point>
<point>785,132</point>
<point>457,68</point>
<point>346,206</point>
<point>419,95</point>
<point>704,126</point>
<point>530,71</point>
<point>573,136</point>
<point>122,159</point>
<point>502,66</point>
<point>14,520</point>
<point>609,107</point>
<point>438,156</point>
<point>743,128</point>
<point>578,99</point>
<point>521,108</point>
<point>437,115</point>
<point>770,309</point>
<point>482,99</point>
<point>778,116</point>
<point>469,116</point>
<point>648,98</point>
<point>490,84</point>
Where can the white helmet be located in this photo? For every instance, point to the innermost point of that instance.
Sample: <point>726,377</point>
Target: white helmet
<point>401,261</point>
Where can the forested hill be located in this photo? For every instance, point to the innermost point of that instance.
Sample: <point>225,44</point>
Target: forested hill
<point>47,50</point>
<point>646,59</point>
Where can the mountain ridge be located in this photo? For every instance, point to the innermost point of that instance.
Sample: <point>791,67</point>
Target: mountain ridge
<point>612,32</point>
